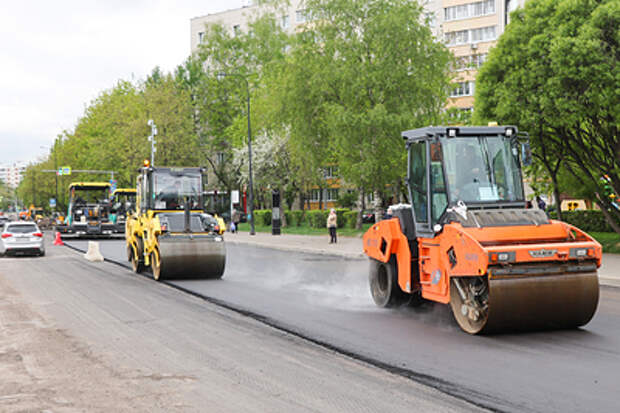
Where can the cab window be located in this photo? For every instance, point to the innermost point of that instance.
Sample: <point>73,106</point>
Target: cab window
<point>418,180</point>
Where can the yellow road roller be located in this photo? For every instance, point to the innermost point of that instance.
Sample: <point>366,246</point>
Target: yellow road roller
<point>169,232</point>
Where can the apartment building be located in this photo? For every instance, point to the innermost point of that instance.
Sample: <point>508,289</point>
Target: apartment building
<point>237,20</point>
<point>470,28</point>
<point>12,174</point>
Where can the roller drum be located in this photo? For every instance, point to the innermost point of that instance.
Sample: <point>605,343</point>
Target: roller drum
<point>191,257</point>
<point>560,301</point>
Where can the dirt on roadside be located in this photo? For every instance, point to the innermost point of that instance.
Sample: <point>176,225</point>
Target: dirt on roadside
<point>43,368</point>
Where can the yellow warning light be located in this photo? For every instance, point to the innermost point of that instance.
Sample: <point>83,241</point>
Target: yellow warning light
<point>147,163</point>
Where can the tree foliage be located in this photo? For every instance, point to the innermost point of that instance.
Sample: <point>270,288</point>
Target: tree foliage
<point>555,73</point>
<point>359,74</point>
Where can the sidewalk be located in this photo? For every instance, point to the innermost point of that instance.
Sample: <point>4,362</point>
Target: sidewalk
<point>351,247</point>
<point>609,273</point>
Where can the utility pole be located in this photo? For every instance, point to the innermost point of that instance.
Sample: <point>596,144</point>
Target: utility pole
<point>251,198</point>
<point>34,198</point>
<point>152,140</point>
<point>56,176</point>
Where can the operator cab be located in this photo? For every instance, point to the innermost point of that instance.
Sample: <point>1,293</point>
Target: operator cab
<point>455,169</point>
<point>168,189</point>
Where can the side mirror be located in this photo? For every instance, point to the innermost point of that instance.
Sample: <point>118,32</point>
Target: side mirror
<point>526,154</point>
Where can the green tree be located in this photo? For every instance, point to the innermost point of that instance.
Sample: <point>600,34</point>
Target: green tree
<point>555,72</point>
<point>112,135</point>
<point>6,196</point>
<point>361,72</point>
<point>220,101</point>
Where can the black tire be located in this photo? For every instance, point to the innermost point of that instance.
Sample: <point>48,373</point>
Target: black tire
<point>155,268</point>
<point>42,254</point>
<point>383,281</point>
<point>137,263</point>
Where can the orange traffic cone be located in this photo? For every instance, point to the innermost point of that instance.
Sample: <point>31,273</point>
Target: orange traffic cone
<point>58,240</point>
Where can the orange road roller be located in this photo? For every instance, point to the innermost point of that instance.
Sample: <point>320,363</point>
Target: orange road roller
<point>468,239</point>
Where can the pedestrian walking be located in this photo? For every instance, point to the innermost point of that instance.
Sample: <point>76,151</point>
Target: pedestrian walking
<point>541,203</point>
<point>235,218</point>
<point>332,224</point>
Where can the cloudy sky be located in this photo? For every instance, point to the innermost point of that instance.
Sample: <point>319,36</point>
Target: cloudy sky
<point>57,56</point>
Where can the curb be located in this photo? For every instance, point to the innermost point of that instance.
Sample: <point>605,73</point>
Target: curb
<point>348,255</point>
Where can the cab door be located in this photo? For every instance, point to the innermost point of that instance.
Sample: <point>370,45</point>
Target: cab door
<point>428,197</point>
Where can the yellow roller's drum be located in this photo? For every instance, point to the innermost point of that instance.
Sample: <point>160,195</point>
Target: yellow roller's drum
<point>508,304</point>
<point>190,256</point>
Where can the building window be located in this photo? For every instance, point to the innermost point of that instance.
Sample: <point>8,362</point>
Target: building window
<point>463,89</point>
<point>221,157</point>
<point>458,37</point>
<point>315,195</point>
<point>332,194</point>
<point>330,172</point>
<point>300,16</point>
<point>201,37</point>
<point>481,34</point>
<point>478,60</point>
<point>466,11</point>
<point>469,62</point>
<point>431,19</point>
<point>284,22</point>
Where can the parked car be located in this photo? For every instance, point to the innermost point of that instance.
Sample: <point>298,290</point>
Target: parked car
<point>21,238</point>
<point>3,220</point>
<point>368,216</point>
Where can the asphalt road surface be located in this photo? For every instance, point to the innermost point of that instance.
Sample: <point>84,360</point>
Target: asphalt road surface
<point>81,336</point>
<point>326,299</point>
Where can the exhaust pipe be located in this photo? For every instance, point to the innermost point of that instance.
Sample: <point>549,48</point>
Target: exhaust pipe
<point>188,227</point>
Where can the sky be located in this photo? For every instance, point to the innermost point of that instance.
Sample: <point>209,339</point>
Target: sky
<point>57,56</point>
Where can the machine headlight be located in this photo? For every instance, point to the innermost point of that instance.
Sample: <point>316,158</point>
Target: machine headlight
<point>502,257</point>
<point>581,252</point>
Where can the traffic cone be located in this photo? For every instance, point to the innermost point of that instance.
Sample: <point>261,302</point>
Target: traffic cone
<point>58,240</point>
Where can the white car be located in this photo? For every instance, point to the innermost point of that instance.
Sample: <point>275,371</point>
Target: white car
<point>21,238</point>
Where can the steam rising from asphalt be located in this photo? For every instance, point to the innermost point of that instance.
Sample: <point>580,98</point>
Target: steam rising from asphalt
<point>337,283</point>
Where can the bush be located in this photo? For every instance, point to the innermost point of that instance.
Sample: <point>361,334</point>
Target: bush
<point>262,217</point>
<point>350,219</point>
<point>317,218</point>
<point>297,217</point>
<point>586,220</point>
<point>340,214</point>
<point>347,199</point>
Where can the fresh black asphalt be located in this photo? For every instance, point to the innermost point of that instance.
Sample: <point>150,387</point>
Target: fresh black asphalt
<point>326,299</point>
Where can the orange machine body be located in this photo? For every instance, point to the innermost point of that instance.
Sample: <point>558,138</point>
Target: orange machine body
<point>464,251</point>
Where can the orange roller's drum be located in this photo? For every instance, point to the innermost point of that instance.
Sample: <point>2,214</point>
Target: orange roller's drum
<point>559,301</point>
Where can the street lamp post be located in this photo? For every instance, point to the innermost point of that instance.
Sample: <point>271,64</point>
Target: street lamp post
<point>247,88</point>
<point>56,174</point>
<point>152,140</point>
